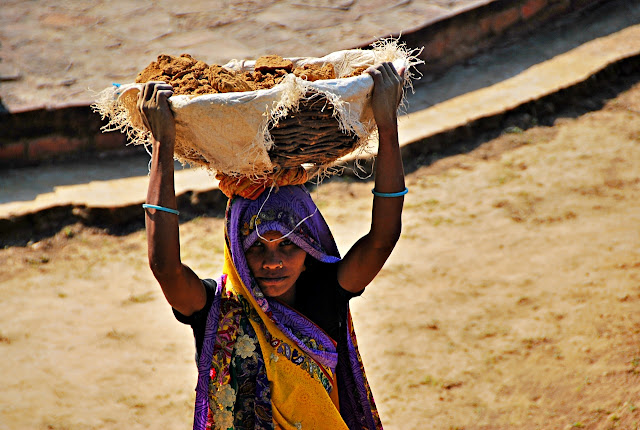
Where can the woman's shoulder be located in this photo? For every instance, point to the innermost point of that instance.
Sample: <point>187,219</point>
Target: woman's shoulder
<point>322,280</point>
<point>211,289</point>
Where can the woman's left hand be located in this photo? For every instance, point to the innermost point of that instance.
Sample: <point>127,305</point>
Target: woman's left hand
<point>387,93</point>
<point>367,256</point>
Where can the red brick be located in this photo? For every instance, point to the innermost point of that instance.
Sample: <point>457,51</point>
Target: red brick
<point>471,33</point>
<point>436,48</point>
<point>485,24</point>
<point>12,151</point>
<point>49,147</point>
<point>505,19</point>
<point>110,140</point>
<point>553,10</point>
<point>531,8</point>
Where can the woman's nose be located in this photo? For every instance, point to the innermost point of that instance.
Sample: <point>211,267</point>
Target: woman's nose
<point>272,265</point>
<point>272,261</point>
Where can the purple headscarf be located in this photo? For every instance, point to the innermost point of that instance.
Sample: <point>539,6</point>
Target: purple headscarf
<point>290,211</point>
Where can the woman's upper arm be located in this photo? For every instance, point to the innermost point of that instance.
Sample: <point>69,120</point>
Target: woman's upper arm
<point>365,259</point>
<point>185,292</point>
<point>363,262</point>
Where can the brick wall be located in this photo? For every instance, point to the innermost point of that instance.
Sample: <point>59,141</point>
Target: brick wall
<point>32,136</point>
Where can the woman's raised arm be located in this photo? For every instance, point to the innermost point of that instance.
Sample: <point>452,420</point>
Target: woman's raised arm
<point>367,256</point>
<point>182,288</point>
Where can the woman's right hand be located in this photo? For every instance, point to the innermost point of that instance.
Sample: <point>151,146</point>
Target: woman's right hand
<point>181,286</point>
<point>154,109</point>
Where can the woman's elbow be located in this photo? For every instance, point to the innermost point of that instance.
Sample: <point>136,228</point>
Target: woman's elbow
<point>164,271</point>
<point>388,239</point>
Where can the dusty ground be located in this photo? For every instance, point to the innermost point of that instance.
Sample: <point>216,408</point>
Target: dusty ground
<point>511,301</point>
<point>56,52</point>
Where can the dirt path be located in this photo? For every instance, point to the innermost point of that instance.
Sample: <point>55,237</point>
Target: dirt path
<point>511,301</point>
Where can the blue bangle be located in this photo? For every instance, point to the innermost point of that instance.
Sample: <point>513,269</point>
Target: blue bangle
<point>161,208</point>
<point>398,194</point>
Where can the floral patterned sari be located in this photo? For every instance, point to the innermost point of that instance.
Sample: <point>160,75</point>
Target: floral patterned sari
<point>263,365</point>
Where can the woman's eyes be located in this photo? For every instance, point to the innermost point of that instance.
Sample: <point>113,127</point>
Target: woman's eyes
<point>258,244</point>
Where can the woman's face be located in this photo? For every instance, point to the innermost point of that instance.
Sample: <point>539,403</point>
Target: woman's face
<point>276,263</point>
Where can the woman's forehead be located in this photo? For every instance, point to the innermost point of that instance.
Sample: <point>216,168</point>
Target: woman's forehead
<point>271,235</point>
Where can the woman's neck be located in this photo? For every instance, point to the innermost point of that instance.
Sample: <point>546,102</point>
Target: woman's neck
<point>289,297</point>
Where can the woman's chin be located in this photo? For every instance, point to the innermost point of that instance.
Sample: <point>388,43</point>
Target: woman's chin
<point>276,288</point>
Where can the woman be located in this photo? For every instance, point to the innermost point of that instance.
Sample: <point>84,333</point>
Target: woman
<point>275,344</point>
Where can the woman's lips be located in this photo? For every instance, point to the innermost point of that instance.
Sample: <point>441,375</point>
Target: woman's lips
<point>271,280</point>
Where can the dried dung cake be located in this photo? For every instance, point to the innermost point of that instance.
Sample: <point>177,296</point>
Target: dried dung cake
<point>271,63</point>
<point>312,72</point>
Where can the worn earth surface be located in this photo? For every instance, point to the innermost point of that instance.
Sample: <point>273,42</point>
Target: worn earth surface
<point>55,52</point>
<point>511,301</point>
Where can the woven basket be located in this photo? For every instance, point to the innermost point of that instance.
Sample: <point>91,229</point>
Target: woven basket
<point>310,135</point>
<point>252,133</point>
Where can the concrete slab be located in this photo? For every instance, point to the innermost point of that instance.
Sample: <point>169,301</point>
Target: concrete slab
<point>106,194</point>
<point>534,83</point>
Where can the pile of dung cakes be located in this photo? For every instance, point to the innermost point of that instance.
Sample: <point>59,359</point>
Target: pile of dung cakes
<point>194,77</point>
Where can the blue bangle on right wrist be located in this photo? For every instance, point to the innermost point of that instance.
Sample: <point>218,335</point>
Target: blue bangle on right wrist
<point>398,194</point>
<point>161,208</point>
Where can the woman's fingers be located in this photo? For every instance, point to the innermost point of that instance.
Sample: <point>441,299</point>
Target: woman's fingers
<point>141,106</point>
<point>163,95</point>
<point>387,93</point>
<point>147,91</point>
<point>390,69</point>
<point>379,72</point>
<point>162,91</point>
<point>152,90</point>
<point>385,74</point>
<point>395,79</point>
<point>154,95</point>
<point>375,73</point>
<point>386,70</point>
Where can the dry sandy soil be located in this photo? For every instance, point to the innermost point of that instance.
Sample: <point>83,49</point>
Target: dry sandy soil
<point>54,51</point>
<point>511,302</point>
